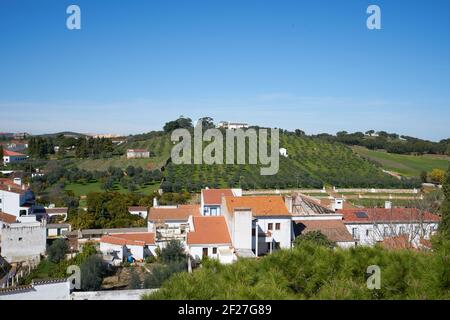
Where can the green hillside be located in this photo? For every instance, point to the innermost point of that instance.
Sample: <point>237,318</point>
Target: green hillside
<point>408,165</point>
<point>312,162</point>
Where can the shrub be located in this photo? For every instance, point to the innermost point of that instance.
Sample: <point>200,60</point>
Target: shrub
<point>57,250</point>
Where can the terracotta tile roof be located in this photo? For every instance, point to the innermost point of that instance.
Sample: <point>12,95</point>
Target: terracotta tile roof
<point>386,215</point>
<point>335,230</point>
<point>214,196</point>
<point>7,218</point>
<point>137,208</point>
<point>209,230</point>
<point>135,239</point>
<point>11,153</point>
<point>182,212</point>
<point>259,205</point>
<point>14,189</point>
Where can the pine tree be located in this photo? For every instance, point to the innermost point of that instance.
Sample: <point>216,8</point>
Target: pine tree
<point>444,227</point>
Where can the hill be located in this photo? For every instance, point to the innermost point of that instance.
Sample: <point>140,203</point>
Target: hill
<point>408,165</point>
<point>312,162</point>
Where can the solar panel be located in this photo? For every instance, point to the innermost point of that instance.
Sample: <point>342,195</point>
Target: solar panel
<point>361,214</point>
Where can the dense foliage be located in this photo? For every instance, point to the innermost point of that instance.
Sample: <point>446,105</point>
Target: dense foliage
<point>57,250</point>
<point>315,237</point>
<point>444,226</point>
<point>315,272</point>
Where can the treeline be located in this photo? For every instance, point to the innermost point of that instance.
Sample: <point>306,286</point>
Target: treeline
<point>391,142</point>
<point>41,148</point>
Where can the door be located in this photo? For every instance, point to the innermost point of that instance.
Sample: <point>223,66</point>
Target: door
<point>205,252</point>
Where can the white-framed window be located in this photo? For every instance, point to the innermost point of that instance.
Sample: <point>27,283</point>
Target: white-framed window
<point>355,233</point>
<point>214,211</point>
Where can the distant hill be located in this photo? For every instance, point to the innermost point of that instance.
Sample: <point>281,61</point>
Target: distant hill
<point>65,133</point>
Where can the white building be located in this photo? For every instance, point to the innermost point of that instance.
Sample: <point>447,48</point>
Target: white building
<point>232,125</point>
<point>373,225</point>
<point>6,220</point>
<point>137,153</point>
<point>138,211</point>
<point>283,152</point>
<point>211,200</point>
<point>120,247</point>
<point>210,237</point>
<point>15,197</point>
<point>24,241</point>
<point>260,223</point>
<point>12,156</point>
<point>55,289</point>
<point>171,222</point>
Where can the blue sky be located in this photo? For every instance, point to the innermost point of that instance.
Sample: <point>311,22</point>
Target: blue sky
<point>292,64</point>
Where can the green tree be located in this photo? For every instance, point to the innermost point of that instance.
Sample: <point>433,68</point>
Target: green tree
<point>444,226</point>
<point>173,252</point>
<point>315,237</point>
<point>57,250</point>
<point>135,280</point>
<point>92,272</point>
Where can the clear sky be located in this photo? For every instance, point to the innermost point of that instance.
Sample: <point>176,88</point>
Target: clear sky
<point>312,65</point>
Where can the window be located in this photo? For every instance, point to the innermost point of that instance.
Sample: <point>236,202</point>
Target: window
<point>214,211</point>
<point>355,233</point>
<point>402,230</point>
<point>253,232</point>
<point>205,252</point>
<point>368,232</point>
<point>277,226</point>
<point>214,250</point>
<point>270,226</point>
<point>386,231</point>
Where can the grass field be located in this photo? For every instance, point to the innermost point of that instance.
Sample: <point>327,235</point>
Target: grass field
<point>407,165</point>
<point>83,189</point>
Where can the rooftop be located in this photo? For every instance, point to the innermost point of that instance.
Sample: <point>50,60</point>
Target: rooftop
<point>214,196</point>
<point>335,230</point>
<point>370,215</point>
<point>7,218</point>
<point>135,239</point>
<point>181,212</point>
<point>259,205</point>
<point>8,153</point>
<point>209,230</point>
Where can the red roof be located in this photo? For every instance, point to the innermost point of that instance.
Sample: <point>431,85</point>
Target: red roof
<point>209,230</point>
<point>370,215</point>
<point>182,212</point>
<point>214,196</point>
<point>7,218</point>
<point>335,230</point>
<point>259,205</point>
<point>135,239</point>
<point>8,153</point>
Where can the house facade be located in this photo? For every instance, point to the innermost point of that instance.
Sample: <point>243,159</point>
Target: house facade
<point>12,157</point>
<point>118,248</point>
<point>370,226</point>
<point>138,211</point>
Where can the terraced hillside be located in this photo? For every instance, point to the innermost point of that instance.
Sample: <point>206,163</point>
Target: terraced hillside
<point>311,162</point>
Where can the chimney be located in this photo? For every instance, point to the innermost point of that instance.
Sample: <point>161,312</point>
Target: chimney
<point>289,203</point>
<point>18,181</point>
<point>338,204</point>
<point>387,204</point>
<point>155,202</point>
